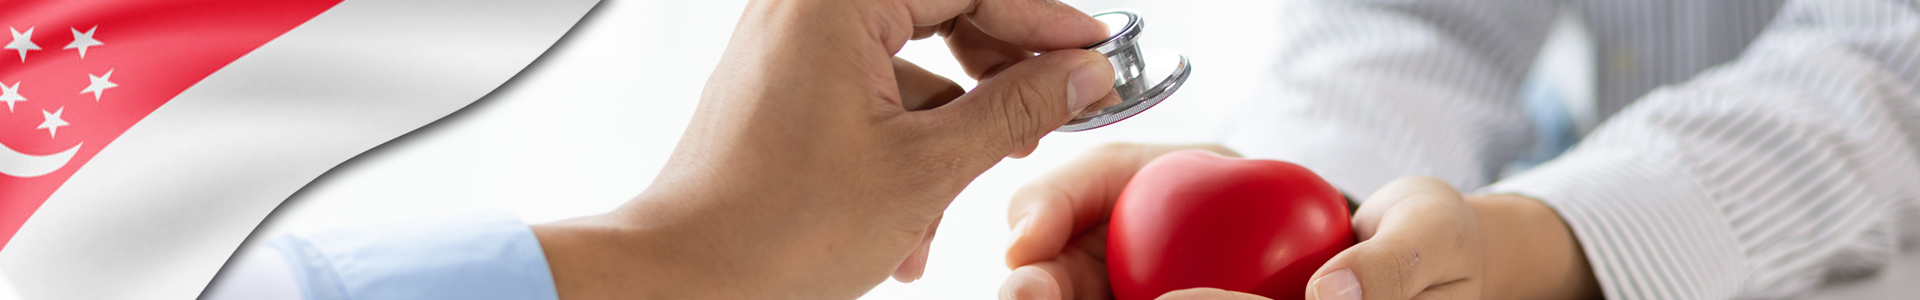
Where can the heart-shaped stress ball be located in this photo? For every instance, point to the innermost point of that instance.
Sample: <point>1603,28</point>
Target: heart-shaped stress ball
<point>1196,219</point>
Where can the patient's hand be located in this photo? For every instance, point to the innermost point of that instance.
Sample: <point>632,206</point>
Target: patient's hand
<point>1419,238</point>
<point>1060,223</point>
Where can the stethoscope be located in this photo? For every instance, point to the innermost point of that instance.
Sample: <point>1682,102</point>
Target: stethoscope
<point>1139,84</point>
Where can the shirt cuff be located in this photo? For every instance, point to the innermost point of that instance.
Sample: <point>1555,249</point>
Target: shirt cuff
<point>481,255</point>
<point>1649,231</point>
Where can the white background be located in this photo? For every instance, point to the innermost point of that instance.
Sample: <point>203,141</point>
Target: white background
<point>587,126</point>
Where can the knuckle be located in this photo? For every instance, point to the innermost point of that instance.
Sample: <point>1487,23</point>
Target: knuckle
<point>1032,99</point>
<point>887,21</point>
<point>1432,183</point>
<point>1394,266</point>
<point>1021,106</point>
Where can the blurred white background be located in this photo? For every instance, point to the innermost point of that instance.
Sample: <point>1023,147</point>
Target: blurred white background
<point>587,126</point>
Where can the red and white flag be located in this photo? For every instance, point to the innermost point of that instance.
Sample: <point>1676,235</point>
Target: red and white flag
<point>144,139</point>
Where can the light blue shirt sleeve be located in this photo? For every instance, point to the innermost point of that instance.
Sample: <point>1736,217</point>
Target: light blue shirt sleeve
<point>480,256</point>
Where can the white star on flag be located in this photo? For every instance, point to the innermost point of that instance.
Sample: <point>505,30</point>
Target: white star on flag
<point>11,94</point>
<point>98,84</point>
<point>53,121</point>
<point>82,40</point>
<point>22,42</point>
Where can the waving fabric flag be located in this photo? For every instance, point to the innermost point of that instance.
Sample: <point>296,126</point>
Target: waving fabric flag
<point>142,140</point>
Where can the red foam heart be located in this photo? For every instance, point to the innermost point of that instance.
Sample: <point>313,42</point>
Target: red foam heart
<point>1196,219</point>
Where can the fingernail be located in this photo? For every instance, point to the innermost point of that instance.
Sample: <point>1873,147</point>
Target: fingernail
<point>1087,84</point>
<point>1029,282</point>
<point>1019,230</point>
<point>1339,285</point>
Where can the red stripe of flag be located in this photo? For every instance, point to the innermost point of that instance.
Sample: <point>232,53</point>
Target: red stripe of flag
<point>154,49</point>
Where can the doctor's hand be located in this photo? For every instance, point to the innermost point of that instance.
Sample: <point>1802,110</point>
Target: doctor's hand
<point>817,164</point>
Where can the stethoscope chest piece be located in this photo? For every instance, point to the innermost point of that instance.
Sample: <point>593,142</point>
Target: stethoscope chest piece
<point>1140,80</point>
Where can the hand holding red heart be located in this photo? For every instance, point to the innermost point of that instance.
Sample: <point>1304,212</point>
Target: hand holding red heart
<point>1419,238</point>
<point>1197,219</point>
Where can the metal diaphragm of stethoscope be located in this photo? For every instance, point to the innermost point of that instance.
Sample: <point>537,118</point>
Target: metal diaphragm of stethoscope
<point>1140,84</point>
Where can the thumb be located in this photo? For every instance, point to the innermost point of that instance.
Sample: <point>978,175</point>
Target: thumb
<point>1010,111</point>
<point>1418,240</point>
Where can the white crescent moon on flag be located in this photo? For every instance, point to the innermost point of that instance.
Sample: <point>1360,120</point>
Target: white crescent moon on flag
<point>16,164</point>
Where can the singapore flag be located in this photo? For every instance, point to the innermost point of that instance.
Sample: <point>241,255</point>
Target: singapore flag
<point>142,140</point>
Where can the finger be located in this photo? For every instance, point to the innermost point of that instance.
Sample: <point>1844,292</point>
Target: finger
<point>1048,212</point>
<point>916,264</point>
<point>1367,218</point>
<point>1034,25</point>
<point>1074,274</point>
<point>921,89</point>
<point>921,31</point>
<point>1209,294</point>
<point>1112,97</point>
<point>1391,268</point>
<point>1012,110</point>
<point>1031,283</point>
<point>979,54</point>
<point>1022,153</point>
<point>1075,198</point>
<point>1426,238</point>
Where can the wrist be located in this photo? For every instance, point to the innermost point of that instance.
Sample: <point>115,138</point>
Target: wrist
<point>1536,254</point>
<point>670,248</point>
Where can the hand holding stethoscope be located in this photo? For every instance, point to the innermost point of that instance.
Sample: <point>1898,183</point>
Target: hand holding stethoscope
<point>818,163</point>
